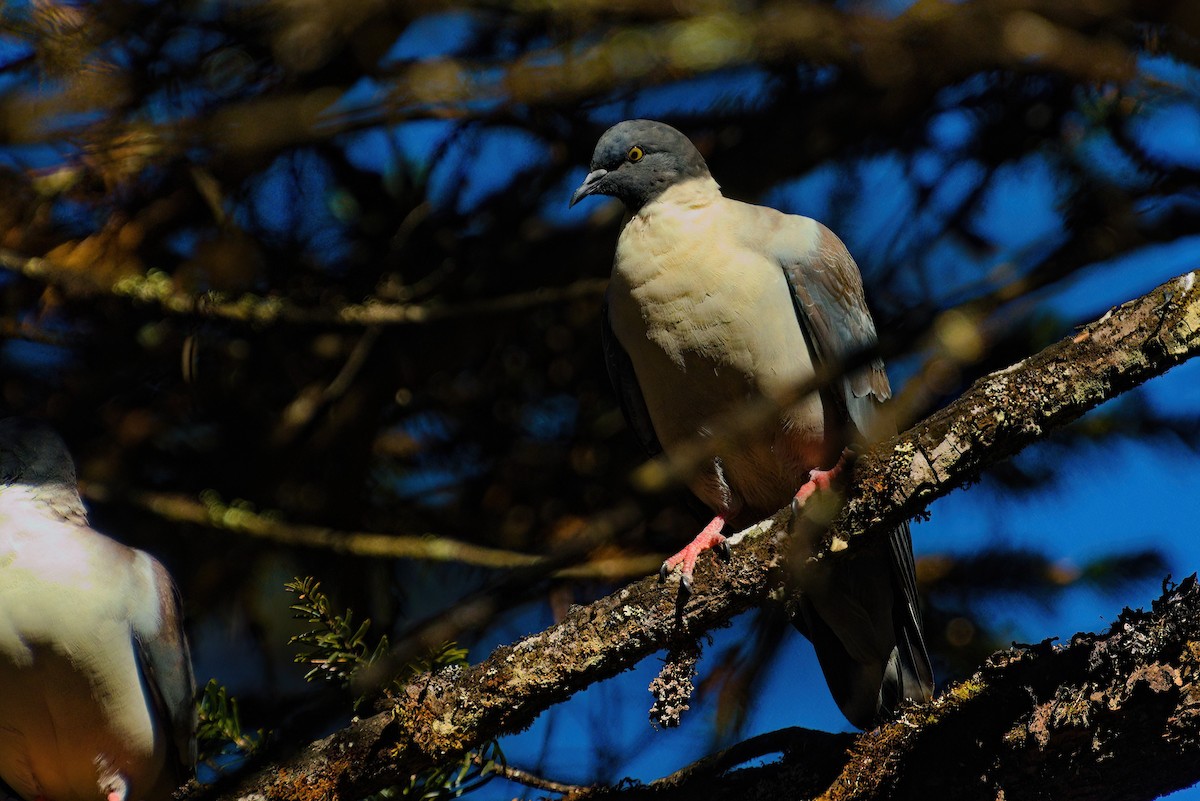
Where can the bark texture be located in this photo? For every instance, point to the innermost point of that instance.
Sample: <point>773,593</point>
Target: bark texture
<point>442,715</point>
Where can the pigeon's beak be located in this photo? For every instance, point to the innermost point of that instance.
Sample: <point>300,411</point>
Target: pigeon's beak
<point>588,186</point>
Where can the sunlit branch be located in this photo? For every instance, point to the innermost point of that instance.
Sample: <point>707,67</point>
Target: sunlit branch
<point>509,590</point>
<point>157,289</point>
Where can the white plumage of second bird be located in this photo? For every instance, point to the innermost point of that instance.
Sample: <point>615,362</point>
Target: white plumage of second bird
<point>96,687</point>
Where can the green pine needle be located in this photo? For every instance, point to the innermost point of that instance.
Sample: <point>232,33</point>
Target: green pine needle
<point>336,649</point>
<point>219,725</point>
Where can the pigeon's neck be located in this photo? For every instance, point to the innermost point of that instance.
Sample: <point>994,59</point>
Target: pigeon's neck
<point>693,193</point>
<point>59,501</point>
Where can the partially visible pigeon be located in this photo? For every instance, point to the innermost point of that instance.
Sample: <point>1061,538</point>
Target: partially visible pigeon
<point>96,686</point>
<point>714,303</point>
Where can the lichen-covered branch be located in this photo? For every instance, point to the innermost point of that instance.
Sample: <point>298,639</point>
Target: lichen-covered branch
<point>440,716</point>
<point>1004,412</point>
<point>1112,716</point>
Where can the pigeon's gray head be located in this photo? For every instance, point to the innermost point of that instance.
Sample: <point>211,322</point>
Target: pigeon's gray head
<point>34,456</point>
<point>636,160</point>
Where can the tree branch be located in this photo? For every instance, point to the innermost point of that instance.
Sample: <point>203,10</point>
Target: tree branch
<point>439,716</point>
<point>211,512</point>
<point>157,289</point>
<point>822,753</point>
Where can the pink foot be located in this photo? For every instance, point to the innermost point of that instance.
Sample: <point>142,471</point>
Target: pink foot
<point>820,480</point>
<point>709,538</point>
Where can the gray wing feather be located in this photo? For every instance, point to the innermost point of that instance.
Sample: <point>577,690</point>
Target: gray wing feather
<point>166,665</point>
<point>828,296</point>
<point>828,293</point>
<point>625,383</point>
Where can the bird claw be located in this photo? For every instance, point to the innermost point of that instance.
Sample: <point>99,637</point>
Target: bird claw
<point>685,580</point>
<point>723,550</point>
<point>685,560</point>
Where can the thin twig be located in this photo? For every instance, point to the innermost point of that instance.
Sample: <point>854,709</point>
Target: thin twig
<point>507,591</point>
<point>529,779</point>
<point>820,745</point>
<point>566,71</point>
<point>301,411</point>
<point>214,514</point>
<point>791,739</point>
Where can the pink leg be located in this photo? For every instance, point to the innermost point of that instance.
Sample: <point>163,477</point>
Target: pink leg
<point>116,784</point>
<point>709,538</point>
<point>820,480</point>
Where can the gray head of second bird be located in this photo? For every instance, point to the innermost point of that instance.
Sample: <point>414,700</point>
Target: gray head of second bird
<point>33,455</point>
<point>636,160</point>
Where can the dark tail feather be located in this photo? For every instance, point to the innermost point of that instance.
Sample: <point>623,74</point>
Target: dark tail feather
<point>855,687</point>
<point>892,666</point>
<point>909,675</point>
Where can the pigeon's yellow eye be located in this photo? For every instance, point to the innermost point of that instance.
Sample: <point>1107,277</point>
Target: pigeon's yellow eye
<point>635,154</point>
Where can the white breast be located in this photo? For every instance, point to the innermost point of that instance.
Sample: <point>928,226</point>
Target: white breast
<point>709,324</point>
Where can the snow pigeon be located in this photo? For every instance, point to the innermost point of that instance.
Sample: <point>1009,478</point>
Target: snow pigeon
<point>713,303</point>
<point>96,686</point>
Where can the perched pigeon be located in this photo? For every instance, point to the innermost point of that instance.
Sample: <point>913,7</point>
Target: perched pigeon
<point>96,687</point>
<point>713,303</point>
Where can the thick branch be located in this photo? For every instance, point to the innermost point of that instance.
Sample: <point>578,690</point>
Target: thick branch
<point>1004,412</point>
<point>440,716</point>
